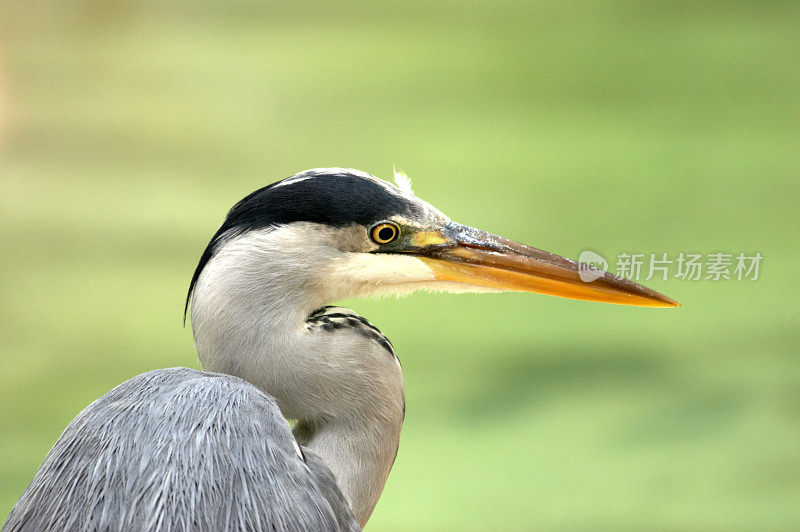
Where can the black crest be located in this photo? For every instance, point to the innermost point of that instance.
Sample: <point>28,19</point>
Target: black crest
<point>332,197</point>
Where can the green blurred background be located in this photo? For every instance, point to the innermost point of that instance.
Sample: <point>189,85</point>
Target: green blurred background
<point>128,130</point>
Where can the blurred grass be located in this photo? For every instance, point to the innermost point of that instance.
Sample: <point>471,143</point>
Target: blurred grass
<point>129,129</point>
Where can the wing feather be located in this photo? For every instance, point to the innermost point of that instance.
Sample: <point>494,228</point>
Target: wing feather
<point>180,449</point>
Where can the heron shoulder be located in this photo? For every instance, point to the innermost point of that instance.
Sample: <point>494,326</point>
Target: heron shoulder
<point>178,449</point>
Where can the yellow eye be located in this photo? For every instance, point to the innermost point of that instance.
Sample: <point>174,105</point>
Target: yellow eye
<point>384,232</point>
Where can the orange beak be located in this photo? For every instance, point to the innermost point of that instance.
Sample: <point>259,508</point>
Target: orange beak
<point>466,255</point>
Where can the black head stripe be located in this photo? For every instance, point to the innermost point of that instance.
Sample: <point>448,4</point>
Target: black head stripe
<point>335,198</point>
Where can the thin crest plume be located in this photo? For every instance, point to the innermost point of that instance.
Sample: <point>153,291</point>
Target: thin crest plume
<point>402,181</point>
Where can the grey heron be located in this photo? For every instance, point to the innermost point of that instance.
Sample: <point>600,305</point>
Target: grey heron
<point>180,449</point>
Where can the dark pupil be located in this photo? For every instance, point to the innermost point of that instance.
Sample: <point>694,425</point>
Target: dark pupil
<point>385,233</point>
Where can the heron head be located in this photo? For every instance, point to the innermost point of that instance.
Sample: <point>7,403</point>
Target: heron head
<point>346,233</point>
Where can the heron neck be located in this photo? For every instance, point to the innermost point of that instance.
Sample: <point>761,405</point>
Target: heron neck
<point>249,320</point>
<point>360,454</point>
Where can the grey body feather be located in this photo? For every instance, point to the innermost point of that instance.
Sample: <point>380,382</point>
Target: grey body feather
<point>181,449</point>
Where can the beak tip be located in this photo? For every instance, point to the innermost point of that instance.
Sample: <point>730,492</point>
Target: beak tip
<point>666,302</point>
